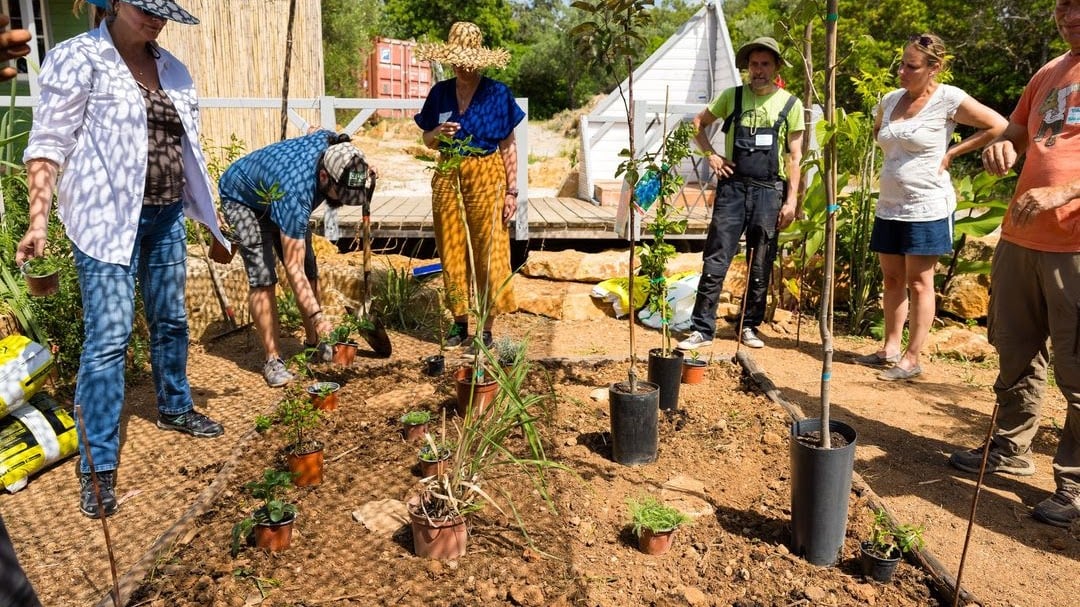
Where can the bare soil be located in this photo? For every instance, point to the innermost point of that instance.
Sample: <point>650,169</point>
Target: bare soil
<point>728,450</point>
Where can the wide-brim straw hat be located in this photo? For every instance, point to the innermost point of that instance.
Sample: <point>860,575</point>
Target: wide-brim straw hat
<point>464,48</point>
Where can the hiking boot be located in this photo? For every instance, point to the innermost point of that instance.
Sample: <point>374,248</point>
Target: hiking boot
<point>458,334</point>
<point>694,341</point>
<point>88,503</point>
<point>275,373</point>
<point>192,422</point>
<point>1060,509</point>
<point>996,462</point>
<point>750,339</point>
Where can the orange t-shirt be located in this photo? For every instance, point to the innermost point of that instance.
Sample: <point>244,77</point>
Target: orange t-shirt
<point>1050,110</point>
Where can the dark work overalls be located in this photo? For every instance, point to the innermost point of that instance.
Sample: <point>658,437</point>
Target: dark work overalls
<point>749,201</point>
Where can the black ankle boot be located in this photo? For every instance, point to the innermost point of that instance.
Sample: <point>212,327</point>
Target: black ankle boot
<point>88,503</point>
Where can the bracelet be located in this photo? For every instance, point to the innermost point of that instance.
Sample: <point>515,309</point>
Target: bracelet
<point>314,314</point>
<point>512,191</point>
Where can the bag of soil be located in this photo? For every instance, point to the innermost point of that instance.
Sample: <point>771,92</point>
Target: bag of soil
<point>24,367</point>
<point>35,435</point>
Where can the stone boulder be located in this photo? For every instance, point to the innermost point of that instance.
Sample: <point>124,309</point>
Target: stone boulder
<point>961,344</point>
<point>968,296</point>
<point>559,300</point>
<point>575,266</point>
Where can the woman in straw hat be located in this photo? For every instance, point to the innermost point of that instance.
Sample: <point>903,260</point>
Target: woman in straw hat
<point>120,115</point>
<point>483,111</point>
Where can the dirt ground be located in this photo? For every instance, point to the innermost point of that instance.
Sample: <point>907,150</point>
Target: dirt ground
<point>731,444</point>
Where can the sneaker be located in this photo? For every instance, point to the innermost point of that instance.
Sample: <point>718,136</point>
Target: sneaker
<point>459,333</point>
<point>694,341</point>
<point>275,373</point>
<point>1060,509</point>
<point>997,462</point>
<point>88,502</point>
<point>192,422</point>
<point>876,360</point>
<point>750,338</point>
<point>488,340</point>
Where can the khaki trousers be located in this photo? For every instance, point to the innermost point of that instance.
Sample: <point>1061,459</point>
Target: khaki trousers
<point>1035,308</point>
<point>483,189</point>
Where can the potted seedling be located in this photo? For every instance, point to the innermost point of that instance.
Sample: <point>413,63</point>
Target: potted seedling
<point>435,365</point>
<point>693,370</point>
<point>507,350</point>
<point>654,524</point>
<point>42,275</point>
<point>323,395</point>
<point>887,544</point>
<point>344,347</point>
<point>271,523</point>
<point>303,453</point>
<point>415,425</point>
<point>433,457</point>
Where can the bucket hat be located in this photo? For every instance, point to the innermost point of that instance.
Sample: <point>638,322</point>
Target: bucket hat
<point>166,9</point>
<point>742,58</point>
<point>464,48</point>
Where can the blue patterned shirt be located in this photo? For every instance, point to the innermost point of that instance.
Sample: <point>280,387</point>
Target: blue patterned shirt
<point>491,116</point>
<point>289,165</point>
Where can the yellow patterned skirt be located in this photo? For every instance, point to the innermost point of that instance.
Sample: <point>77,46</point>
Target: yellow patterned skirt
<point>483,188</point>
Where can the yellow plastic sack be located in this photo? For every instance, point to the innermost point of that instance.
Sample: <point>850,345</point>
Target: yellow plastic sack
<point>35,435</point>
<point>24,367</point>
<point>617,291</point>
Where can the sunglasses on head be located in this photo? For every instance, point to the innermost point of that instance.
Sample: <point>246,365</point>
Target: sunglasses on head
<point>923,41</point>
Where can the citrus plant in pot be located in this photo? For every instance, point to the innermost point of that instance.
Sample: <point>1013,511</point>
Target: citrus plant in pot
<point>888,543</point>
<point>303,453</point>
<point>654,524</point>
<point>693,370</point>
<point>270,523</point>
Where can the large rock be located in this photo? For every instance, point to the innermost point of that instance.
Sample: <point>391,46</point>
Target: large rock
<point>559,300</point>
<point>968,296</point>
<point>961,344</point>
<point>575,266</point>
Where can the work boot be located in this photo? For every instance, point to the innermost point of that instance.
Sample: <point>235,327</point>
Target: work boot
<point>971,460</point>
<point>1060,509</point>
<point>88,503</point>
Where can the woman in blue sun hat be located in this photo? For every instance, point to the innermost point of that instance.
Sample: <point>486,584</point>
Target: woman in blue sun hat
<point>119,115</point>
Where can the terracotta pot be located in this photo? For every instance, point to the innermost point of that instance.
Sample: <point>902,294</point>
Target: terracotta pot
<point>655,542</point>
<point>481,394</point>
<point>345,353</point>
<point>693,371</point>
<point>274,536</point>
<point>41,285</point>
<point>307,468</point>
<point>324,403</point>
<point>435,468</point>
<point>414,432</point>
<point>436,539</point>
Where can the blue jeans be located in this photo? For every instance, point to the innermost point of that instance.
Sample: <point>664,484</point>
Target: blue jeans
<point>741,206</point>
<point>159,262</point>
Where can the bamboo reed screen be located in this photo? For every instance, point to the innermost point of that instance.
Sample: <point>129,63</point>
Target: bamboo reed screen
<point>238,50</point>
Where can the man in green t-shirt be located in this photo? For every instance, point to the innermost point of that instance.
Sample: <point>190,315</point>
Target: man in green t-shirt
<point>757,186</point>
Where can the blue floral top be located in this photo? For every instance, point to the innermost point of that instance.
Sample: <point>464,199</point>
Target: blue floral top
<point>491,116</point>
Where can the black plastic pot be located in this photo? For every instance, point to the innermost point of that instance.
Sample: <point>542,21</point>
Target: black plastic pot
<point>435,365</point>
<point>634,431</point>
<point>666,372</point>
<point>820,485</point>
<point>876,567</point>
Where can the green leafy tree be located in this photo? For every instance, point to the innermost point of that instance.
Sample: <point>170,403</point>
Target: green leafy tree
<point>349,27</point>
<point>422,19</point>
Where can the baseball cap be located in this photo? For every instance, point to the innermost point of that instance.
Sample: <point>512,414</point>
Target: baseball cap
<point>346,165</point>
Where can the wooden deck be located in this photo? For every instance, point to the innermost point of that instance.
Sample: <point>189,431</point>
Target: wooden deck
<point>549,218</point>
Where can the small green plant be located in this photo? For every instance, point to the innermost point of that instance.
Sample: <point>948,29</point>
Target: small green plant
<point>263,423</point>
<point>43,266</point>
<point>431,452</point>
<point>300,363</point>
<point>415,418</point>
<point>507,350</point>
<point>297,414</point>
<point>323,389</point>
<point>889,541</point>
<point>695,355</point>
<point>340,334</point>
<point>395,299</point>
<point>289,312</point>
<point>649,513</point>
<point>274,508</point>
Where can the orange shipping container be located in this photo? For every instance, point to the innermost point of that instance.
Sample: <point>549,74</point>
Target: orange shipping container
<point>395,73</point>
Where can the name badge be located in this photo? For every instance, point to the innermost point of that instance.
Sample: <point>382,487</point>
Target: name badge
<point>1074,116</point>
<point>763,141</point>
<point>444,116</point>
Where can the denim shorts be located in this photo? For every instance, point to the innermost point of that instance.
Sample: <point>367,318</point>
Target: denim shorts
<point>893,237</point>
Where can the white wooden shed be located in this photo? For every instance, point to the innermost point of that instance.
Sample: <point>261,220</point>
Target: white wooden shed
<point>688,70</point>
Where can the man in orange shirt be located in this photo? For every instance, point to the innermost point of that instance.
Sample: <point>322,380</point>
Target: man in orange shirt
<point>1035,276</point>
